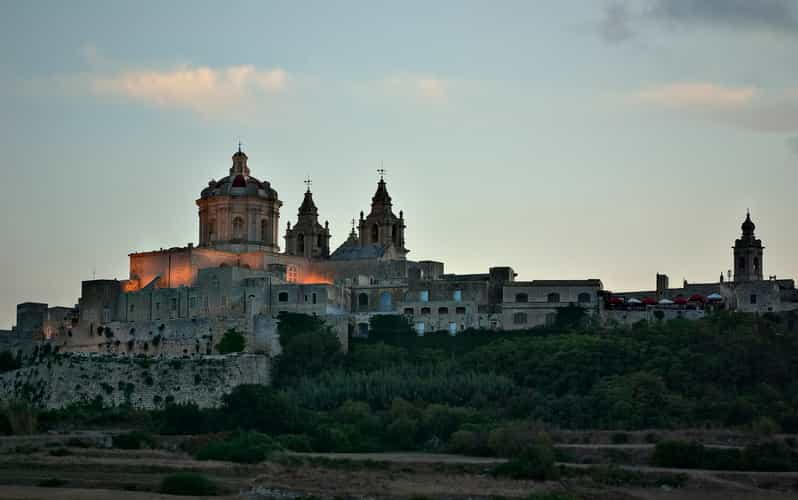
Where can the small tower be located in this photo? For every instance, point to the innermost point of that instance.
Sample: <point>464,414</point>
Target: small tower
<point>382,227</point>
<point>748,253</point>
<point>308,238</point>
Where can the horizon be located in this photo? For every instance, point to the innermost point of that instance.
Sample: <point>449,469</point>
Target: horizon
<point>565,141</point>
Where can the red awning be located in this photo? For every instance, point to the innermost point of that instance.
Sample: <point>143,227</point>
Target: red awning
<point>697,297</point>
<point>616,301</point>
<point>649,301</point>
<point>680,300</point>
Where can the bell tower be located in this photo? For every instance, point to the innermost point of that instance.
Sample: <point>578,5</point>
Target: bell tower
<point>748,253</point>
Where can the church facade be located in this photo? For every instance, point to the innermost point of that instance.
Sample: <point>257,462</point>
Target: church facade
<point>180,301</point>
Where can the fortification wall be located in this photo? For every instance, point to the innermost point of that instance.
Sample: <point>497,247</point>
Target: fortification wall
<point>142,382</point>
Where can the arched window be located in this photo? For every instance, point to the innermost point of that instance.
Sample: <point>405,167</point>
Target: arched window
<point>443,310</point>
<point>282,297</point>
<point>264,231</point>
<point>583,298</point>
<point>394,235</point>
<point>238,228</point>
<point>741,263</point>
<point>363,300</point>
<point>320,241</point>
<point>300,243</point>
<point>458,296</point>
<point>519,318</point>
<point>756,263</point>
<point>553,297</point>
<point>521,297</point>
<point>425,311</point>
<point>375,234</point>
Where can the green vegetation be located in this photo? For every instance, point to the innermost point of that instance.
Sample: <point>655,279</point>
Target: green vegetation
<point>244,447</point>
<point>772,456</point>
<point>8,362</point>
<point>232,341</point>
<point>188,484</point>
<point>134,440</point>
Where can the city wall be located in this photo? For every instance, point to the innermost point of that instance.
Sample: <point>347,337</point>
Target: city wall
<point>141,382</point>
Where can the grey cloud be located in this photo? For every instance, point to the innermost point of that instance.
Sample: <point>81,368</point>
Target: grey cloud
<point>768,15</point>
<point>614,26</point>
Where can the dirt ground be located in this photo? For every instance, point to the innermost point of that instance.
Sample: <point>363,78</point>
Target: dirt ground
<point>102,473</point>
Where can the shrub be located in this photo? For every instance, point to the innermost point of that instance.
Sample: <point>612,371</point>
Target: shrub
<point>21,417</point>
<point>512,439</point>
<point>260,408</point>
<point>619,438</point>
<point>773,456</point>
<point>765,426</point>
<point>535,462</point>
<point>678,454</point>
<point>189,484</point>
<point>244,447</point>
<point>187,418</point>
<point>232,341</point>
<point>134,440</point>
<point>295,442</point>
<point>8,362</point>
<point>52,483</point>
<point>60,452</point>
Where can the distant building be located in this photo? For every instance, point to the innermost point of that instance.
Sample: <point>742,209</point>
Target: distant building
<point>180,301</point>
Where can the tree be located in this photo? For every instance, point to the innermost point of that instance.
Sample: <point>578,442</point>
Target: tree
<point>8,362</point>
<point>260,408</point>
<point>232,341</point>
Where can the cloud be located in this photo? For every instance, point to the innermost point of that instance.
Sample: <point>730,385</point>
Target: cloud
<point>769,15</point>
<point>701,94</point>
<point>767,111</point>
<point>201,89</point>
<point>792,142</point>
<point>623,19</point>
<point>614,25</point>
<point>421,86</point>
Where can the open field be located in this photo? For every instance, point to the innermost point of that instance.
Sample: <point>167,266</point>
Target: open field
<point>104,473</point>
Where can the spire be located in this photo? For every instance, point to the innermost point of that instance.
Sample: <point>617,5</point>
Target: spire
<point>748,225</point>
<point>381,199</point>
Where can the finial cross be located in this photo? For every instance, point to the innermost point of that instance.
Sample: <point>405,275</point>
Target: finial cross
<point>382,172</point>
<point>239,146</point>
<point>308,182</point>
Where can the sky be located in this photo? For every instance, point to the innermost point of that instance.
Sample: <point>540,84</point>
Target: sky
<point>566,139</point>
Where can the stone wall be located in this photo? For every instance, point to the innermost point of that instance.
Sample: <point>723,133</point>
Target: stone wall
<point>143,382</point>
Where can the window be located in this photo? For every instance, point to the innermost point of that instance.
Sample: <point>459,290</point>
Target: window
<point>423,295</point>
<point>452,329</point>
<point>192,302</point>
<point>375,234</point>
<point>290,274</point>
<point>583,298</point>
<point>425,311</point>
<point>756,263</point>
<point>386,302</point>
<point>363,300</point>
<point>409,311</point>
<point>521,297</point>
<point>394,235</point>
<point>238,228</point>
<point>519,319</point>
<point>460,310</point>
<point>741,263</point>
<point>320,241</point>
<point>132,307</point>
<point>313,296</point>
<point>553,297</point>
<point>264,231</point>
<point>157,306</point>
<point>443,310</point>
<point>457,296</point>
<point>300,243</point>
<point>363,329</point>
<point>211,230</point>
<point>173,303</point>
<point>106,315</point>
<point>753,298</point>
<point>282,297</point>
<point>420,327</point>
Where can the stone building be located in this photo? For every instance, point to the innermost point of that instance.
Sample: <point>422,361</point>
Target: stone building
<point>748,292</point>
<point>180,301</point>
